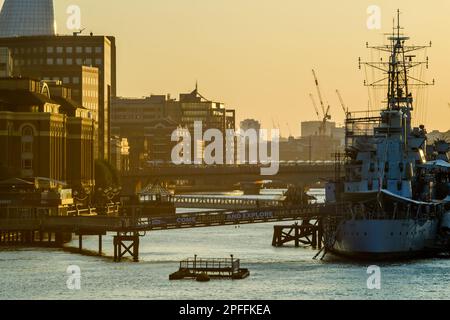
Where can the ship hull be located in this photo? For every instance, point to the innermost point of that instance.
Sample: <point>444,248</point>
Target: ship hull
<point>383,239</point>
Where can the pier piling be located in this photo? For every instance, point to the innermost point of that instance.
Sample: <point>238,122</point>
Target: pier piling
<point>124,244</point>
<point>304,233</point>
<point>99,244</point>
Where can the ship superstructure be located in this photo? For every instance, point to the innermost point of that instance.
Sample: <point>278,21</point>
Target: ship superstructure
<point>391,198</point>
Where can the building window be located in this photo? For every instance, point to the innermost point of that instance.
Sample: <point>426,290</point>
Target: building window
<point>66,80</point>
<point>98,62</point>
<point>27,164</point>
<point>50,61</point>
<point>79,50</point>
<point>27,148</point>
<point>88,49</point>
<point>69,61</point>
<point>89,62</point>
<point>69,50</point>
<point>59,61</point>
<point>59,50</point>
<point>76,80</point>
<point>79,61</point>
<point>98,49</point>
<point>50,49</point>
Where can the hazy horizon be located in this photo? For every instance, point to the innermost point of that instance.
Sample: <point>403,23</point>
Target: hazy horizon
<point>256,55</point>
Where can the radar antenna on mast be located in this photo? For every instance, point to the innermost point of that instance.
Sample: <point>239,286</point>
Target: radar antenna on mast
<point>397,69</point>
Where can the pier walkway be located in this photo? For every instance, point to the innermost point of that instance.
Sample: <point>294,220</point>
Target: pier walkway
<point>129,229</point>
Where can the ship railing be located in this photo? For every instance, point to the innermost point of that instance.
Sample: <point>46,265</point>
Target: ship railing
<point>362,211</point>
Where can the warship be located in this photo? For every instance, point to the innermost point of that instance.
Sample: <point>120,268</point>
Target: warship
<point>391,189</point>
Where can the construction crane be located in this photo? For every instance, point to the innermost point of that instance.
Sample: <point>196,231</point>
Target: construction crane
<point>342,103</point>
<point>315,105</point>
<point>318,91</point>
<point>326,113</point>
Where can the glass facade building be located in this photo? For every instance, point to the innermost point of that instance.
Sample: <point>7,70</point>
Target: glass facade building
<point>27,18</point>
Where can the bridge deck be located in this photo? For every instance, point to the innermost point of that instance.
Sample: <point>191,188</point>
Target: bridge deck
<point>187,201</point>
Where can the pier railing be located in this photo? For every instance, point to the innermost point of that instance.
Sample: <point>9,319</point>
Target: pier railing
<point>195,265</point>
<point>139,224</point>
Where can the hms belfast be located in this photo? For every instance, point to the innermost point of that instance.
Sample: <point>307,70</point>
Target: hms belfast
<point>392,197</point>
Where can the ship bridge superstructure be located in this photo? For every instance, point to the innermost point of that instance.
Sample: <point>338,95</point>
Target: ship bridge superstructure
<point>383,149</point>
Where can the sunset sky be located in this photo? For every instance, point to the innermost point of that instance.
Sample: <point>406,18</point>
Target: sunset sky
<point>256,55</point>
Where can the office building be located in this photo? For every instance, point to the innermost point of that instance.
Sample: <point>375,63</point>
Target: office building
<point>74,60</point>
<point>148,122</point>
<point>311,128</point>
<point>45,133</point>
<point>27,18</point>
<point>120,153</point>
<point>6,63</point>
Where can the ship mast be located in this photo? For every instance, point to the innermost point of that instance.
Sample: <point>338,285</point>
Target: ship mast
<point>398,79</point>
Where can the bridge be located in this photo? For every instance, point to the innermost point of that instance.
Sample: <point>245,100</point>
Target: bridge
<point>211,202</point>
<point>223,177</point>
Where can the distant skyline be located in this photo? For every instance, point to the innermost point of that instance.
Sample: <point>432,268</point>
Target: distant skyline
<point>257,55</point>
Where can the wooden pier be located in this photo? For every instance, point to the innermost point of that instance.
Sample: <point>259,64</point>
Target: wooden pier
<point>123,244</point>
<point>56,230</point>
<point>204,269</point>
<point>304,233</point>
<point>38,238</point>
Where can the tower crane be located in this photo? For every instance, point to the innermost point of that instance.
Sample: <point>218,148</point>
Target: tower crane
<point>342,103</point>
<point>315,105</point>
<point>326,112</point>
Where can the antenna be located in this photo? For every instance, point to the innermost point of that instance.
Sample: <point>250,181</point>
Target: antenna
<point>76,33</point>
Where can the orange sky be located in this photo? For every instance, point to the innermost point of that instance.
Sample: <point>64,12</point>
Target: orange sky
<point>257,55</point>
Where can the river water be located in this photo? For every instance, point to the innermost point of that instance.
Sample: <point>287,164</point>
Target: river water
<point>276,273</point>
